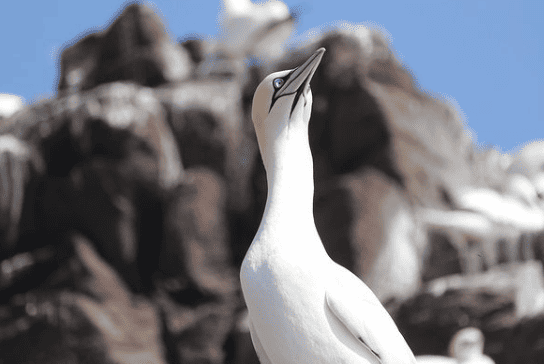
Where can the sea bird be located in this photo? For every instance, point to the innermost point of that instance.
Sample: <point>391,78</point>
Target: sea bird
<point>303,307</point>
<point>466,347</point>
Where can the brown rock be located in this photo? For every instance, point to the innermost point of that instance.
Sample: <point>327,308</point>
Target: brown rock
<point>135,47</point>
<point>428,322</point>
<point>110,159</point>
<point>334,215</point>
<point>384,235</point>
<point>83,313</point>
<point>129,325</point>
<point>442,257</point>
<point>199,307</point>
<point>20,167</point>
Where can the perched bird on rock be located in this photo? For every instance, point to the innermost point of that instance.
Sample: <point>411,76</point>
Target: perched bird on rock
<point>9,105</point>
<point>303,307</point>
<point>243,23</point>
<point>466,347</point>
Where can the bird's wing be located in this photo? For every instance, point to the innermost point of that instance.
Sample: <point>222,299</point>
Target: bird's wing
<point>263,358</point>
<point>356,306</point>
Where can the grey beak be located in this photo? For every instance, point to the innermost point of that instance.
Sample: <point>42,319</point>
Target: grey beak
<point>301,75</point>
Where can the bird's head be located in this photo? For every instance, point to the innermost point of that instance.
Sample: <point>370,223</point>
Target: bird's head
<point>467,344</point>
<point>283,101</point>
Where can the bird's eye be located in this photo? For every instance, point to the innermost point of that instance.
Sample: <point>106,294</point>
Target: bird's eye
<point>278,82</point>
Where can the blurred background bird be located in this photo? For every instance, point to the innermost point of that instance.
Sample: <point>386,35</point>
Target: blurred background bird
<point>466,347</point>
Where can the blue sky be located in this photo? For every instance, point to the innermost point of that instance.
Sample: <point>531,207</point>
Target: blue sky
<point>487,55</point>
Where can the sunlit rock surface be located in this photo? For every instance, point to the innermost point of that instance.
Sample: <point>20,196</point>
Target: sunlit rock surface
<point>530,162</point>
<point>384,235</point>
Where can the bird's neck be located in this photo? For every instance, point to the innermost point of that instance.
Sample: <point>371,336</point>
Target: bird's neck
<point>290,179</point>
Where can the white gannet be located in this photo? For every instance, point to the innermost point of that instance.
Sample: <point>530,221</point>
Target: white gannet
<point>9,105</point>
<point>466,347</point>
<point>304,307</point>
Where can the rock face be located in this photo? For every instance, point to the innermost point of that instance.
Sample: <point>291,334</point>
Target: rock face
<point>428,322</point>
<point>20,166</point>
<point>133,48</point>
<point>389,251</point>
<point>198,313</point>
<point>101,162</point>
<point>104,153</point>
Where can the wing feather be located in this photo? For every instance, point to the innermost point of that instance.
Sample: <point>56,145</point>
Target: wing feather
<point>356,306</point>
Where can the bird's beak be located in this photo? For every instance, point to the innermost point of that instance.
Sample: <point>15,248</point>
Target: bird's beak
<point>301,76</point>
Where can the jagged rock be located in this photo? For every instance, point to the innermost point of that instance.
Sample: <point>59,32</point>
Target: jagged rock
<point>196,279</point>
<point>196,48</point>
<point>384,235</point>
<point>135,47</point>
<point>428,322</point>
<point>111,190</point>
<point>334,214</point>
<point>20,167</point>
<point>523,282</point>
<point>441,259</point>
<point>201,139</point>
<point>120,120</point>
<point>199,310</point>
<point>366,224</point>
<point>196,231</point>
<point>209,122</point>
<point>398,123</point>
<point>83,313</point>
<point>214,135</point>
<point>113,172</point>
<point>110,157</point>
<point>129,325</point>
<point>240,340</point>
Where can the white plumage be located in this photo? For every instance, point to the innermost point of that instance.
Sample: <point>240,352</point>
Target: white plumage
<point>466,347</point>
<point>303,307</point>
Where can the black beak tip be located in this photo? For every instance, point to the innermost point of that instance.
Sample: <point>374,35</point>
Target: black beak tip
<point>300,77</point>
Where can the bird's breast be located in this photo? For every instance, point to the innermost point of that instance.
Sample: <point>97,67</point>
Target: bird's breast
<point>285,304</point>
<point>285,295</point>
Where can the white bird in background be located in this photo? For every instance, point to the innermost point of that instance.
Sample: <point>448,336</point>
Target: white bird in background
<point>9,105</point>
<point>243,23</point>
<point>466,347</point>
<point>303,307</point>
<point>261,13</point>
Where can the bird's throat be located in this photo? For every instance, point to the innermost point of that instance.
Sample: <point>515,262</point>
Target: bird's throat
<point>290,184</point>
